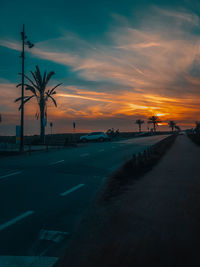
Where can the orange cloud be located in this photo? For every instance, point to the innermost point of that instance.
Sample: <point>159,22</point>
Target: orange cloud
<point>153,69</point>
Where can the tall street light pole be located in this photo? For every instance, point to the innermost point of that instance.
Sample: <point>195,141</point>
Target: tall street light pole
<point>30,45</point>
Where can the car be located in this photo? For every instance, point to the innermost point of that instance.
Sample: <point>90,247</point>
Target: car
<point>95,136</point>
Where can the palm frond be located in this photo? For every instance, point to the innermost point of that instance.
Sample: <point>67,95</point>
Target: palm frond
<point>50,74</point>
<point>26,100</point>
<point>38,75</point>
<point>54,101</point>
<point>37,115</point>
<point>33,84</point>
<point>31,88</point>
<point>20,84</point>
<point>35,78</point>
<point>54,88</point>
<point>44,78</point>
<point>154,119</point>
<point>20,98</point>
<point>139,121</point>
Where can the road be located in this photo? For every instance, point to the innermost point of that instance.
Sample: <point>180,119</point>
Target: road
<point>43,196</point>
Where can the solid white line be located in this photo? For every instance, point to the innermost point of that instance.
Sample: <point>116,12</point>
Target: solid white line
<point>85,155</point>
<point>71,190</point>
<point>56,162</point>
<point>10,174</point>
<point>18,218</point>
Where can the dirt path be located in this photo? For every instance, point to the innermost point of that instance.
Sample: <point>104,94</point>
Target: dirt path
<point>155,223</point>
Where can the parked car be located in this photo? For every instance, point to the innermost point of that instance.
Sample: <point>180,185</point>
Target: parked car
<point>95,136</point>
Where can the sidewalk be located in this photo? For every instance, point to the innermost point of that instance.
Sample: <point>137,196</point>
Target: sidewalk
<point>155,223</point>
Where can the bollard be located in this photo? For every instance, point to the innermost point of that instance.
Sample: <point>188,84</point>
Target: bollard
<point>134,159</point>
<point>145,156</point>
<point>149,152</point>
<point>140,158</point>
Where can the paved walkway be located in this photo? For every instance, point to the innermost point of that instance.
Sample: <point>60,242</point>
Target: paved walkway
<point>155,223</point>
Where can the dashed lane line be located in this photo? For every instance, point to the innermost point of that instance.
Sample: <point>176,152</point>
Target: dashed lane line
<point>71,190</point>
<point>85,155</point>
<point>57,162</point>
<point>15,220</point>
<point>10,174</point>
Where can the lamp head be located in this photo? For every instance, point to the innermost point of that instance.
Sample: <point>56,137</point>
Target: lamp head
<point>30,45</point>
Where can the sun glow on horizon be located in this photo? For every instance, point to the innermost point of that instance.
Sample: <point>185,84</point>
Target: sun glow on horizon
<point>161,114</point>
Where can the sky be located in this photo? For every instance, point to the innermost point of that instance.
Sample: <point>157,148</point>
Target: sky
<point>118,61</point>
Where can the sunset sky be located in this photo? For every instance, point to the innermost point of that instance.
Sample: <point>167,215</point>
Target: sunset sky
<point>118,61</point>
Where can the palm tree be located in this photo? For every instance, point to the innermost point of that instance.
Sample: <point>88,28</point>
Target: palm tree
<point>154,120</point>
<point>38,87</point>
<point>139,122</point>
<point>172,125</point>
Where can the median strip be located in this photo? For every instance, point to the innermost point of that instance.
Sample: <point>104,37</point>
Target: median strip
<point>10,174</point>
<point>15,220</point>
<point>71,190</point>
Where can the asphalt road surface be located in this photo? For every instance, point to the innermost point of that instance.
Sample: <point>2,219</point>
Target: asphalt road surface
<point>43,196</point>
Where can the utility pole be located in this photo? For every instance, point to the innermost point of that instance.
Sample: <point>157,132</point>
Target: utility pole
<point>30,45</point>
<point>51,125</point>
<point>22,94</point>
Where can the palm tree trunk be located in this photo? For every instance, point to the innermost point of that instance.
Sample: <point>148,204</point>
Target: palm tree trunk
<point>42,128</point>
<point>154,127</point>
<point>140,128</point>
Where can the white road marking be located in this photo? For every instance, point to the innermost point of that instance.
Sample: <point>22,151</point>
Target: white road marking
<point>10,174</point>
<point>50,235</point>
<point>101,150</point>
<point>27,261</point>
<point>71,190</point>
<point>15,220</point>
<point>85,155</point>
<point>56,162</point>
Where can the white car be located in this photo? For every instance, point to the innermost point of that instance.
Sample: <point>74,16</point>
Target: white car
<point>96,136</point>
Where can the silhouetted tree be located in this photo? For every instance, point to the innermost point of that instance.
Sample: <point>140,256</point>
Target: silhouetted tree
<point>154,120</point>
<point>197,128</point>
<point>38,87</point>
<point>172,125</point>
<point>139,122</point>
